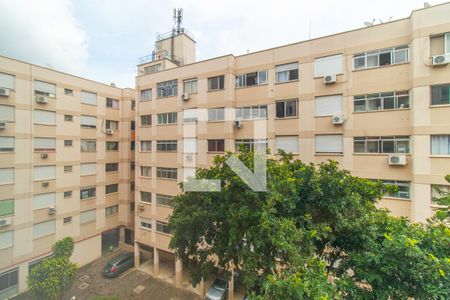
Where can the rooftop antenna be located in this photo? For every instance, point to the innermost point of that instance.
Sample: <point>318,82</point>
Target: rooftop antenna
<point>381,21</point>
<point>368,24</point>
<point>426,5</point>
<point>177,20</point>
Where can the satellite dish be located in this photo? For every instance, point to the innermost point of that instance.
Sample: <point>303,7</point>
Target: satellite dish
<point>426,5</point>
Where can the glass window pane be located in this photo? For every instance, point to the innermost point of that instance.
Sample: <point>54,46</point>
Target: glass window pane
<point>374,104</point>
<point>388,146</point>
<point>360,105</point>
<point>403,101</point>
<point>359,146</point>
<point>385,58</point>
<point>280,109</point>
<point>372,60</point>
<point>389,103</point>
<point>372,146</point>
<point>291,108</point>
<point>359,62</point>
<point>402,147</point>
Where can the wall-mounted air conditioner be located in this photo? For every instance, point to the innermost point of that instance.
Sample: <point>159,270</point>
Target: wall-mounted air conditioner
<point>51,210</point>
<point>238,124</point>
<point>397,160</point>
<point>45,184</point>
<point>141,207</point>
<point>440,60</point>
<point>5,221</point>
<point>44,155</point>
<point>185,97</point>
<point>109,131</point>
<point>4,92</point>
<point>327,79</point>
<point>338,119</point>
<point>2,124</point>
<point>41,99</point>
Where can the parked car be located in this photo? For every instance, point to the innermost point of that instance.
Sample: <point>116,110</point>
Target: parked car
<point>118,264</point>
<point>218,290</point>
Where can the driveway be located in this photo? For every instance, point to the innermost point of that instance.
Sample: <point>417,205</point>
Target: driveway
<point>132,284</point>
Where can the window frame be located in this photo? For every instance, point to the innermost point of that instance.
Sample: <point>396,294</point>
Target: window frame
<point>91,192</point>
<point>216,147</point>
<point>383,97</point>
<point>285,109</point>
<point>376,53</point>
<point>220,83</point>
<point>166,171</point>
<point>166,89</point>
<point>190,82</point>
<point>277,80</point>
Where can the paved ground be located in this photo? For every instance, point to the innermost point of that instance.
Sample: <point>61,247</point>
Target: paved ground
<point>132,284</point>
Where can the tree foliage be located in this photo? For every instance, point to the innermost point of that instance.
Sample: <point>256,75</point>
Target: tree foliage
<point>51,277</point>
<point>311,216</point>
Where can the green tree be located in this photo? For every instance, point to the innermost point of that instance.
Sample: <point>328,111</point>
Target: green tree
<point>50,278</point>
<point>310,213</point>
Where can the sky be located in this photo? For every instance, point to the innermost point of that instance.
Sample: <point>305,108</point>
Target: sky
<point>103,39</point>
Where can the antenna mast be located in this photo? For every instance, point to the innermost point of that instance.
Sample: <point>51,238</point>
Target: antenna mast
<point>177,20</point>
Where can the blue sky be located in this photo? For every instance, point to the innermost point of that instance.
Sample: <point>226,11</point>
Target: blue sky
<point>102,39</point>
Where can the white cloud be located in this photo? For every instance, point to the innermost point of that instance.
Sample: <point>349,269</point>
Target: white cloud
<point>43,32</point>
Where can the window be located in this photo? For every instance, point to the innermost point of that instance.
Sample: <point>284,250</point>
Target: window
<point>87,193</point>
<point>251,79</point>
<point>381,101</point>
<point>132,186</point>
<point>68,194</point>
<point>87,169</point>
<point>44,117</point>
<point>111,188</point>
<point>9,280</point>
<point>167,88</point>
<point>377,58</point>
<point>6,176</point>
<point>164,199</point>
<point>111,167</point>
<point>383,144</point>
<point>133,125</point>
<point>44,200</point>
<point>112,103</point>
<point>216,114</point>
<point>251,112</point>
<point>129,235</point>
<point>88,98</point>
<point>7,113</point>
<point>146,223</point>
<point>44,145</point>
<point>440,94</point>
<point>6,241</point>
<point>132,145</point>
<point>440,44</point>
<point>7,81</point>
<point>44,172</point>
<point>146,146</point>
<point>286,109</point>
<point>438,192</point>
<point>190,115</point>
<point>286,72</point>
<point>6,207</point>
<point>162,227</point>
<point>328,105</point>
<point>250,144</point>
<point>402,186</point>
<point>133,104</point>
<point>7,143</point>
<point>329,65</point>
<point>440,144</point>
<point>67,220</point>
<point>88,122</point>
<point>67,169</point>
<point>88,145</point>
<point>166,173</point>
<point>146,120</point>
<point>166,145</point>
<point>68,92</point>
<point>216,145</point>
<point>146,197</point>
<point>87,216</point>
<point>132,166</point>
<point>146,171</point>
<point>112,146</point>
<point>68,118</point>
<point>146,95</point>
<point>190,86</point>
<point>43,229</point>
<point>287,143</point>
<point>167,118</point>
<point>216,83</point>
<point>329,143</point>
<point>447,43</point>
<point>44,88</point>
<point>152,69</point>
<point>68,143</point>
<point>111,210</point>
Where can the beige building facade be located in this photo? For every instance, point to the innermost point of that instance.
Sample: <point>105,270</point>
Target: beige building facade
<point>374,99</point>
<point>65,168</point>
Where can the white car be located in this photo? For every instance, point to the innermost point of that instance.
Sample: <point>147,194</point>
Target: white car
<point>218,290</point>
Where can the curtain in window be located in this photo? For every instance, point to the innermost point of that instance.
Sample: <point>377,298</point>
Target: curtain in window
<point>440,144</point>
<point>7,81</point>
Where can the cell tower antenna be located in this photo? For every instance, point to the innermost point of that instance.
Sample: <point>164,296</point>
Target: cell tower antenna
<point>177,20</point>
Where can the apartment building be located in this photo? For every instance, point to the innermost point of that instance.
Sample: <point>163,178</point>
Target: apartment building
<point>66,168</point>
<point>375,99</point>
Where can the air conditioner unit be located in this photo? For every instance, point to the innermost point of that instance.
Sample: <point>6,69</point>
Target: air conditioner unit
<point>141,207</point>
<point>189,157</point>
<point>4,92</point>
<point>185,97</point>
<point>5,221</point>
<point>2,124</point>
<point>41,99</point>
<point>440,60</point>
<point>397,160</point>
<point>338,119</point>
<point>44,155</point>
<point>109,131</point>
<point>327,79</point>
<point>238,124</point>
<point>45,184</point>
<point>51,210</point>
